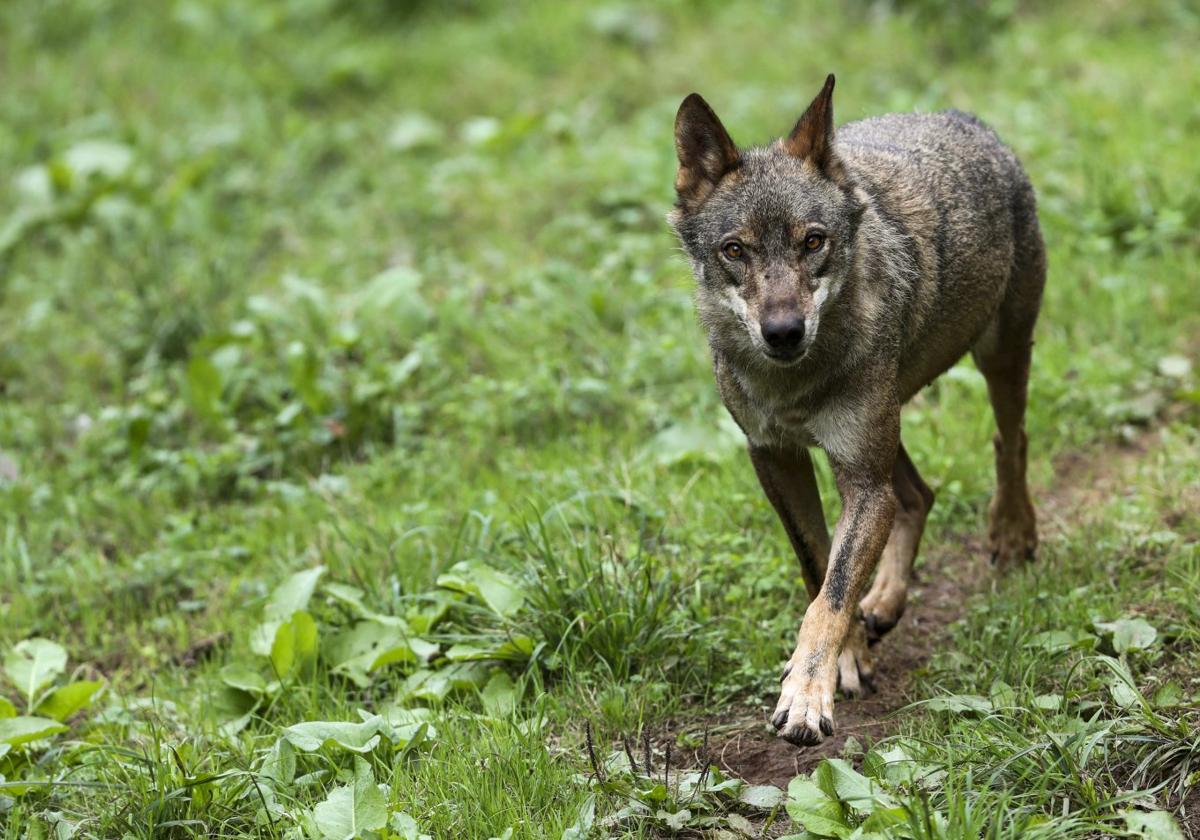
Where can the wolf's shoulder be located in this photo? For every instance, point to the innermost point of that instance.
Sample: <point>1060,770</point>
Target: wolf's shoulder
<point>918,133</point>
<point>948,151</point>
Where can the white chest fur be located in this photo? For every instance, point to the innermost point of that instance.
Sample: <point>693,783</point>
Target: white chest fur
<point>775,417</point>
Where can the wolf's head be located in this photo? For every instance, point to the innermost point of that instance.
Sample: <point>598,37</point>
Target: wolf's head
<point>769,230</point>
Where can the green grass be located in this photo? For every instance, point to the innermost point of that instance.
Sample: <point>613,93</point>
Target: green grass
<point>386,288</point>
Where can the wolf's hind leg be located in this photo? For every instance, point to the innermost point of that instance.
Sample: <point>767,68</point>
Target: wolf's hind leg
<point>1003,354</point>
<point>884,604</point>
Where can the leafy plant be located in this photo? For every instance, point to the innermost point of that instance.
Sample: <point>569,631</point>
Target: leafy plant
<point>672,800</point>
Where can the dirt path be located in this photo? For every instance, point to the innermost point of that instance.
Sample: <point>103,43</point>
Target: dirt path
<point>951,570</point>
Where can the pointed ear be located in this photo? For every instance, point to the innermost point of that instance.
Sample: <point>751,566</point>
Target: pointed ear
<point>706,152</point>
<point>812,138</point>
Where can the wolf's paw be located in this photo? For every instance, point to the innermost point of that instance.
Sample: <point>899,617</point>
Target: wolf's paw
<point>855,671</point>
<point>882,607</point>
<point>804,713</point>
<point>1012,532</point>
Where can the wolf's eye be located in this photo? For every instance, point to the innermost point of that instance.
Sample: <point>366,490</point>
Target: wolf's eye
<point>813,242</point>
<point>733,250</point>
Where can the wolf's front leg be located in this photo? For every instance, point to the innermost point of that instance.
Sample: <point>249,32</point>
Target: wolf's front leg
<point>804,713</point>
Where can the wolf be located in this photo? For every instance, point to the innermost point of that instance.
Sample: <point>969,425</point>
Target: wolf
<point>838,273</point>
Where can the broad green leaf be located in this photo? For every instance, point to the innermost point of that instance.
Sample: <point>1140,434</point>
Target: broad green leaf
<point>354,649</point>
<point>411,736</point>
<point>407,827</point>
<point>763,797</point>
<point>815,809</point>
<point>1128,633</point>
<point>676,821</point>
<point>960,704</point>
<point>1057,641</point>
<point>66,700</point>
<point>496,589</point>
<point>1168,694</point>
<point>693,442</point>
<point>856,790</point>
<point>651,791</point>
<point>423,648</point>
<point>410,726</point>
<point>891,764</point>
<point>499,696</point>
<point>288,598</point>
<point>400,653</point>
<point>1048,702</point>
<point>1175,367</point>
<point>349,595</point>
<point>293,594</point>
<point>741,825</point>
<point>353,597</point>
<point>435,686</point>
<point>295,645</point>
<point>7,709</point>
<point>204,387</point>
<point>394,296</point>
<point>512,649</point>
<point>429,686</point>
<point>411,651</point>
<point>229,703</point>
<point>34,186</point>
<point>351,810</point>
<point>895,766</point>
<point>1152,825</point>
<point>581,829</point>
<point>1002,695</point>
<point>368,645</point>
<point>355,737</point>
<point>262,638</point>
<point>98,157</point>
<point>1123,694</point>
<point>413,130</point>
<point>243,678</point>
<point>23,728</point>
<point>279,764</point>
<point>283,649</point>
<point>882,820</point>
<point>33,664</point>
<point>425,618</point>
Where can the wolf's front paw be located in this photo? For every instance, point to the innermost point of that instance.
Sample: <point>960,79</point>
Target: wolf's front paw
<point>1012,532</point>
<point>883,606</point>
<point>804,713</point>
<point>855,671</point>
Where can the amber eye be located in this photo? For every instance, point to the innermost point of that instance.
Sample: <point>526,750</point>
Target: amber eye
<point>733,250</point>
<point>813,242</point>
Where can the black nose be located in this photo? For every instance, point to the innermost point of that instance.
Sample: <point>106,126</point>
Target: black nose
<point>783,332</point>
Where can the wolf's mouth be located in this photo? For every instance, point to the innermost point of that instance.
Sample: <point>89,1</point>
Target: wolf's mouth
<point>785,359</point>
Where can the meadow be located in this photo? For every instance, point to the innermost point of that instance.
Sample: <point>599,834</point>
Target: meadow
<point>362,474</point>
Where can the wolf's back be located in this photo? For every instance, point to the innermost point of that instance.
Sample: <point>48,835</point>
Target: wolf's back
<point>958,198</point>
<point>948,161</point>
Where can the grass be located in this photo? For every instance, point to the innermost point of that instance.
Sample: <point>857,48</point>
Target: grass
<point>385,288</point>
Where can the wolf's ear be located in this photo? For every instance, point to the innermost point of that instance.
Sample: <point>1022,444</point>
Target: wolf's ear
<point>812,138</point>
<point>706,152</point>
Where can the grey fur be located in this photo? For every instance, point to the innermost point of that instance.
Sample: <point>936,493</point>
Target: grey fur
<point>937,216</point>
<point>902,242</point>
